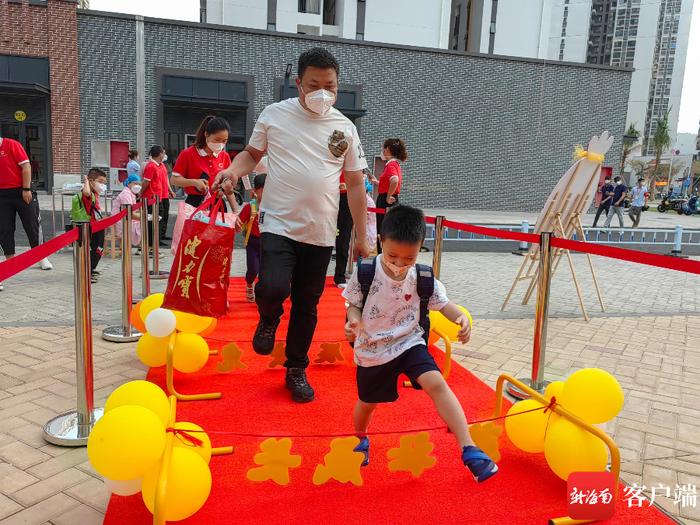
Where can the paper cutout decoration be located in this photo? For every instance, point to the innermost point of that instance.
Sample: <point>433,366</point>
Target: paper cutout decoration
<point>330,353</point>
<point>278,355</point>
<point>413,454</point>
<point>342,463</point>
<point>231,359</point>
<point>275,461</point>
<point>485,436</point>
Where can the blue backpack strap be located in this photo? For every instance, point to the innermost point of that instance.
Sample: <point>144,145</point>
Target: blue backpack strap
<point>365,275</point>
<point>426,287</point>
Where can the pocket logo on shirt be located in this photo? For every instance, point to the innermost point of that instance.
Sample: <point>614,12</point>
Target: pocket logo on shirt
<point>261,218</point>
<point>338,144</point>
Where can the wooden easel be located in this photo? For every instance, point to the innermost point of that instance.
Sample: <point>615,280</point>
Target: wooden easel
<point>563,217</point>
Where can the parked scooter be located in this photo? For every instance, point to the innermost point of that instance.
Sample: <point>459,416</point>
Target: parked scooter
<point>691,206</point>
<point>672,202</point>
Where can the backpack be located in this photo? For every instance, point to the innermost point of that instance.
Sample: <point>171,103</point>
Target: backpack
<point>78,213</point>
<point>366,269</point>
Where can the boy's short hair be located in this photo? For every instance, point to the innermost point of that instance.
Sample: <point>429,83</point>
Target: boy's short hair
<point>317,57</point>
<point>96,173</point>
<point>404,224</point>
<point>617,178</point>
<point>259,181</point>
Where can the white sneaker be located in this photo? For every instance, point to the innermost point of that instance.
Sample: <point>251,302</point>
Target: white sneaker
<point>2,287</point>
<point>45,264</point>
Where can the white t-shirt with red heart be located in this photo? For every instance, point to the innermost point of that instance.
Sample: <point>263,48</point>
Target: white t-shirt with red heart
<point>390,317</point>
<point>305,154</point>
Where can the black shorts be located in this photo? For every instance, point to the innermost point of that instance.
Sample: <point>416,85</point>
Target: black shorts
<point>377,384</point>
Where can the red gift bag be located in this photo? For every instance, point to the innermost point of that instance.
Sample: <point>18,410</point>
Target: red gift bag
<point>199,277</point>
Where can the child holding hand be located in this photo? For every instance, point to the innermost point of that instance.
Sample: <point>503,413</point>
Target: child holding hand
<point>384,323</point>
<point>248,222</point>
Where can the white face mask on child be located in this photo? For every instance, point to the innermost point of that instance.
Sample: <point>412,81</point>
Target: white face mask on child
<point>136,189</point>
<point>101,188</point>
<point>397,271</point>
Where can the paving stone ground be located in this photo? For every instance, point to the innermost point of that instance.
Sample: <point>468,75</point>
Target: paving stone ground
<point>648,337</point>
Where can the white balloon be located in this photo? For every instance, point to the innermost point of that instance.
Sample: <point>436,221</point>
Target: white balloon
<point>127,487</point>
<point>160,322</point>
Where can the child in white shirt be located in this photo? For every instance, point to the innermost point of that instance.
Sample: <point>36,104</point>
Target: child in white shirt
<point>389,341</point>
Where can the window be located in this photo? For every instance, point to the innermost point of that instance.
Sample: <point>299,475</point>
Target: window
<point>310,6</point>
<point>329,12</point>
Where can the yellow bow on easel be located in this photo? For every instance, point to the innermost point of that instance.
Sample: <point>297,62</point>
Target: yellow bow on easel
<point>580,153</point>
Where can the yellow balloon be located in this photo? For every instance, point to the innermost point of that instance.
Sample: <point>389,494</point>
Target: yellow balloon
<point>180,441</point>
<point>568,448</point>
<point>527,431</point>
<point>593,394</point>
<point>140,393</point>
<point>210,329</point>
<point>152,351</point>
<point>191,323</point>
<point>189,484</point>
<point>190,352</point>
<point>149,304</point>
<point>554,389</point>
<point>126,442</point>
<point>440,323</point>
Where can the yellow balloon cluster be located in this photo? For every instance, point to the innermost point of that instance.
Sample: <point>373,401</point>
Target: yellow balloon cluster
<point>126,447</point>
<point>593,395</point>
<point>190,350</point>
<point>440,323</point>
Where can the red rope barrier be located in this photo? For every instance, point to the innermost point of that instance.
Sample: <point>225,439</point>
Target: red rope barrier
<point>103,224</point>
<point>623,254</point>
<point>29,258</point>
<point>492,232</point>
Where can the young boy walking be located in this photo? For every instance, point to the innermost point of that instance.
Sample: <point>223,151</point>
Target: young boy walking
<point>248,222</point>
<point>384,323</point>
<point>86,207</point>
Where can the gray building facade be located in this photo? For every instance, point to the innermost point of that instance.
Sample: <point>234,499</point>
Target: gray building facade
<point>483,132</point>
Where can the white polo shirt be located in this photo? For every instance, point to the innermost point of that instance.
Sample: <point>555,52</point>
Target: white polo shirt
<point>305,155</point>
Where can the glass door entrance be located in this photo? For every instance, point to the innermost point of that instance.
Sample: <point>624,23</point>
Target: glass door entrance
<point>33,138</point>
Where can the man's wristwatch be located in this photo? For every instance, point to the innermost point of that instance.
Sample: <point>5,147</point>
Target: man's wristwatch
<point>26,189</point>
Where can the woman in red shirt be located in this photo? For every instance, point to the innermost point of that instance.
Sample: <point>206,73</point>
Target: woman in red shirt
<point>197,166</point>
<point>393,151</point>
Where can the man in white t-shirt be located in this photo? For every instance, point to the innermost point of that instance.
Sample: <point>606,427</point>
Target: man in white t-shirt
<point>308,143</point>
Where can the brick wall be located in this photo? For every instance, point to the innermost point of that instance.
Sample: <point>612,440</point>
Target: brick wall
<point>482,132</point>
<point>50,30</point>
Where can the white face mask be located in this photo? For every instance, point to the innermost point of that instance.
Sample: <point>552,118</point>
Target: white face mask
<point>216,147</point>
<point>320,101</point>
<point>136,189</point>
<point>397,271</point>
<point>100,188</point>
<point>384,158</point>
<point>165,157</point>
<point>618,182</point>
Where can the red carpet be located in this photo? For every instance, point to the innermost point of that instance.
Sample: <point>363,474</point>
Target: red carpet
<point>255,401</point>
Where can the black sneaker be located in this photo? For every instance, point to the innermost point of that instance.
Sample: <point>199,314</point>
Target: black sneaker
<point>264,338</point>
<point>299,386</point>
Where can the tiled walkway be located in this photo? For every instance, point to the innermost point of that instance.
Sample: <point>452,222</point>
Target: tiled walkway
<point>649,339</point>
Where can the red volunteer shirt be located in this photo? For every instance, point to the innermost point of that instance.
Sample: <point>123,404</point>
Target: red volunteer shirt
<point>12,156</point>
<point>391,169</point>
<point>192,163</point>
<point>245,217</point>
<point>163,183</point>
<point>153,172</point>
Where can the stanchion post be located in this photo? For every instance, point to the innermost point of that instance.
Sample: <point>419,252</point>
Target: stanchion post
<point>524,246</point>
<point>539,344</point>
<point>157,273</point>
<point>437,245</point>
<point>73,428</point>
<point>145,276</point>
<point>351,255</point>
<point>677,250</point>
<point>124,333</point>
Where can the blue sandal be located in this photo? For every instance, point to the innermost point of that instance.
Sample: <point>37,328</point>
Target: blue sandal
<point>364,448</point>
<point>481,466</point>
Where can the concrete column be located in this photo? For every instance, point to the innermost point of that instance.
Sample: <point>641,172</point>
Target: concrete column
<point>140,88</point>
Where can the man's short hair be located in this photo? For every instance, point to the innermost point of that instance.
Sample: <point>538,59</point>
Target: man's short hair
<point>404,224</point>
<point>640,179</point>
<point>317,57</point>
<point>617,179</point>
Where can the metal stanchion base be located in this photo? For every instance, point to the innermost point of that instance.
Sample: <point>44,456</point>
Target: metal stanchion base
<point>519,394</point>
<point>65,431</point>
<point>163,274</point>
<point>116,334</point>
<point>521,253</point>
